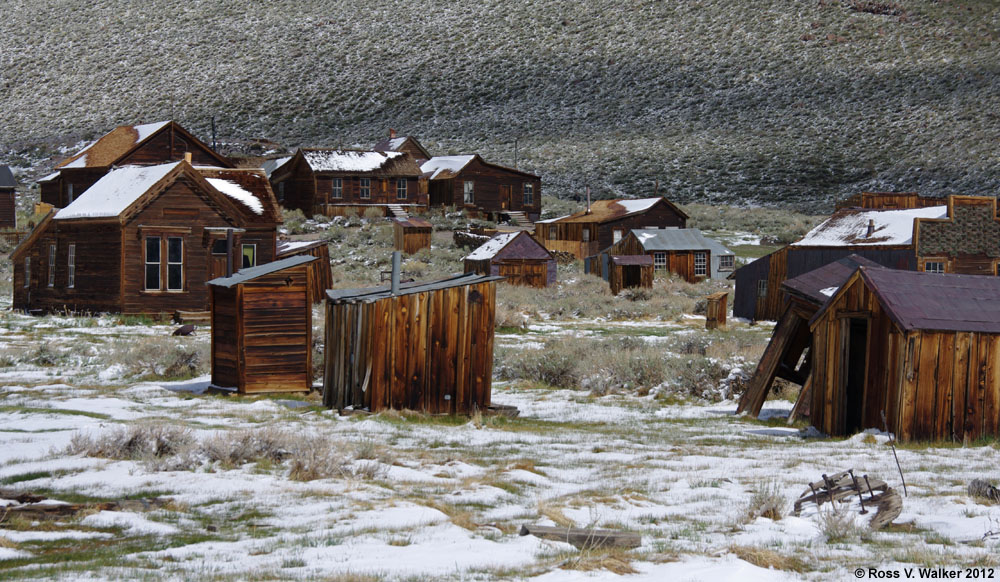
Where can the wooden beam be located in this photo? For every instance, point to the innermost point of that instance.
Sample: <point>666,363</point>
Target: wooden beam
<point>584,538</point>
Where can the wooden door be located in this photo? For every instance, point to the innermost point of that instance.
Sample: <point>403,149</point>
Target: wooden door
<point>504,197</point>
<point>512,273</point>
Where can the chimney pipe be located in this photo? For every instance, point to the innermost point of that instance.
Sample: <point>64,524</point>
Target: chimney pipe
<point>187,157</point>
<point>395,271</point>
<point>588,200</point>
<point>229,252</point>
<point>871,227</point>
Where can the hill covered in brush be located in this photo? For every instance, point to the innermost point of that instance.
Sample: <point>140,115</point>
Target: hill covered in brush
<point>770,101</point>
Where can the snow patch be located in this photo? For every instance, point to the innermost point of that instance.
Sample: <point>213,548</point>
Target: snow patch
<point>236,192</point>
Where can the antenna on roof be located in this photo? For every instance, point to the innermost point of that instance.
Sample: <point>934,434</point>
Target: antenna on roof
<point>588,199</point>
<point>213,133</point>
<point>656,189</point>
<point>515,153</point>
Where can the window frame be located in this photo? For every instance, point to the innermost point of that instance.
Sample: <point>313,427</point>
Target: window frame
<point>243,250</point>
<point>51,267</point>
<point>281,192</point>
<point>727,262</point>
<point>401,189</point>
<point>469,192</point>
<point>71,266</point>
<point>147,263</point>
<point>365,189</point>
<point>69,193</point>
<point>553,232</point>
<point>761,288</point>
<point>659,260</point>
<point>337,188</point>
<point>528,196</point>
<point>700,264</point>
<point>179,263</point>
<point>940,267</point>
<point>616,235</point>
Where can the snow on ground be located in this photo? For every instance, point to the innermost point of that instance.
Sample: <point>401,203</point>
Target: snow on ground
<point>429,498</point>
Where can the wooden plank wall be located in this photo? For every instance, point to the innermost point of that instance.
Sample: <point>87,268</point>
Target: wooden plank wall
<point>617,277</point>
<point>8,211</point>
<point>320,271</point>
<point>715,310</point>
<point>411,239</point>
<point>441,356</point>
<point>276,332</point>
<point>224,337</point>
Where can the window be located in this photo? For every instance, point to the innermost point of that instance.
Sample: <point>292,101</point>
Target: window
<point>659,261</point>
<point>761,287</point>
<point>249,256</point>
<point>71,266</point>
<point>219,246</point>
<point>401,189</point>
<point>727,262</point>
<point>175,263</point>
<point>700,264</point>
<point>470,197</point>
<point>27,272</point>
<point>152,263</point>
<point>934,266</point>
<point>529,194</point>
<point>281,192</point>
<point>586,234</point>
<point>52,265</point>
<point>366,188</point>
<point>69,193</point>
<point>616,236</point>
<point>552,233</point>
<point>337,188</point>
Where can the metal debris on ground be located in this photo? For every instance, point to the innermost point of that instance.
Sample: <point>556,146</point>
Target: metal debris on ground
<point>871,493</point>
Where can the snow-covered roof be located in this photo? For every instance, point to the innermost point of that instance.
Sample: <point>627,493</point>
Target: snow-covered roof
<point>347,160</point>
<point>638,205</point>
<point>849,227</point>
<point>286,247</point>
<point>490,248</point>
<point>605,210</point>
<point>556,219</point>
<point>236,192</point>
<point>438,164</point>
<point>49,178</point>
<point>115,192</point>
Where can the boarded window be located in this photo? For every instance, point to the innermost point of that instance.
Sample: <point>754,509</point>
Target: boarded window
<point>934,266</point>
<point>529,194</point>
<point>249,256</point>
<point>338,188</point>
<point>71,266</point>
<point>52,265</point>
<point>366,188</point>
<point>175,263</point>
<point>401,189</point>
<point>727,262</point>
<point>700,264</point>
<point>762,288</point>
<point>219,246</point>
<point>469,197</point>
<point>153,263</point>
<point>660,261</point>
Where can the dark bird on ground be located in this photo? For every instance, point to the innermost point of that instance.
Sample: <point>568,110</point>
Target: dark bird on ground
<point>185,329</point>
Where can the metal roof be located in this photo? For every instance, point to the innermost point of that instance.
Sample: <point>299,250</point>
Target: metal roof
<point>370,294</point>
<point>244,275</point>
<point>6,178</point>
<point>413,222</point>
<point>632,259</point>
<point>677,239</point>
<point>816,285</point>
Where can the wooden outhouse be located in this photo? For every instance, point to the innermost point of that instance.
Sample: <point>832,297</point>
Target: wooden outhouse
<point>627,271</point>
<point>715,310</point>
<point>426,347</point>
<point>517,257</point>
<point>320,271</point>
<point>411,234</point>
<point>922,348</point>
<point>262,328</point>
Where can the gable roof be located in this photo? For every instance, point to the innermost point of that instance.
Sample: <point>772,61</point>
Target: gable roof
<point>28,241</point>
<point>249,187</point>
<point>849,227</point>
<point>115,192</point>
<point>607,210</point>
<point>447,167</point>
<point>7,177</point>
<point>356,161</point>
<point>395,144</point>
<point>115,145</point>
<point>677,239</point>
<point>818,285</point>
<point>916,300</point>
<point>527,248</point>
<point>490,248</point>
<point>251,273</point>
<point>272,164</point>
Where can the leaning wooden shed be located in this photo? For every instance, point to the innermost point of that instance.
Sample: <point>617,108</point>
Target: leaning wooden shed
<point>627,271</point>
<point>427,347</point>
<point>517,257</point>
<point>411,234</point>
<point>320,271</point>
<point>922,348</point>
<point>262,328</point>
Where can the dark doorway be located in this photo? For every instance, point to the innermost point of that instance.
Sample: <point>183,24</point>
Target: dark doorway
<point>631,276</point>
<point>857,352</point>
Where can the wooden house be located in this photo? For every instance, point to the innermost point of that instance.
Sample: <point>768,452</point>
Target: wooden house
<point>890,201</point>
<point>334,182</point>
<point>961,237</point>
<point>426,347</point>
<point>483,189</point>
<point>628,271</point>
<point>783,357</point>
<point>8,199</point>
<point>605,223</point>
<point>922,348</point>
<point>126,145</point>
<point>406,143</point>
<point>145,239</point>
<point>262,328</point>
<point>411,234</point>
<point>517,257</point>
<point>684,252</point>
<point>320,271</point>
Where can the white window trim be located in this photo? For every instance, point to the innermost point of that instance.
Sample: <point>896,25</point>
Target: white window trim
<point>469,192</point>
<point>529,194</point>
<point>71,266</point>
<point>939,267</point>
<point>181,263</point>
<point>337,188</point>
<point>701,264</point>
<point>616,235</point>
<point>52,266</point>
<point>243,250</point>
<point>660,261</point>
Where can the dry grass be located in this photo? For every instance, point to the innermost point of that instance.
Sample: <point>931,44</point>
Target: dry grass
<point>613,560</point>
<point>546,509</point>
<point>767,501</point>
<point>6,543</point>
<point>768,558</point>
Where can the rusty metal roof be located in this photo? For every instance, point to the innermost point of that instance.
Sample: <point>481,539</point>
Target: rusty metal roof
<point>818,285</point>
<point>937,302</point>
<point>250,273</point>
<point>632,260</point>
<point>413,222</point>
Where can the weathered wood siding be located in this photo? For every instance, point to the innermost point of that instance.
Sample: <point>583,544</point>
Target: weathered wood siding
<point>320,271</point>
<point>56,191</point>
<point>411,239</point>
<point>430,351</point>
<point>225,336</point>
<point>627,276</point>
<point>715,310</point>
<point>171,146</point>
<point>8,209</point>
<point>496,189</point>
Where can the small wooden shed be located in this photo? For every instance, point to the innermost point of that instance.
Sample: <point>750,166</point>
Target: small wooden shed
<point>517,257</point>
<point>428,347</point>
<point>411,234</point>
<point>627,271</point>
<point>262,328</point>
<point>715,310</point>
<point>922,348</point>
<point>320,271</point>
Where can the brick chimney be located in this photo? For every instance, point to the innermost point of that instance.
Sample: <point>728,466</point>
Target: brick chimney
<point>392,133</point>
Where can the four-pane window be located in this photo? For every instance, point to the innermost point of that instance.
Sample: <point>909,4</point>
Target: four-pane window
<point>366,188</point>
<point>469,192</point>
<point>71,266</point>
<point>401,189</point>
<point>52,265</point>
<point>338,188</point>
<point>529,194</point>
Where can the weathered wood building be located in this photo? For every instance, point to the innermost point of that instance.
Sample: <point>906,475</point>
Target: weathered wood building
<point>890,201</point>
<point>334,182</point>
<point>921,347</point>
<point>517,257</point>
<point>407,144</point>
<point>8,199</point>
<point>262,328</point>
<point>320,271</point>
<point>628,271</point>
<point>783,357</point>
<point>605,223</point>
<point>145,239</point>
<point>684,252</point>
<point>427,347</point>
<point>483,189</point>
<point>127,145</point>
<point>411,234</point>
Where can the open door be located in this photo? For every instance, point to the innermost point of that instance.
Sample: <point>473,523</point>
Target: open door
<point>856,362</point>
<point>504,197</point>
